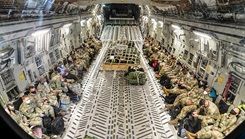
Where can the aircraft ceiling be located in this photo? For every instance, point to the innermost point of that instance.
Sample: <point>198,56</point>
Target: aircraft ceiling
<point>223,10</point>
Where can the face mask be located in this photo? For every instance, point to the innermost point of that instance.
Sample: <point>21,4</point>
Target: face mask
<point>34,92</point>
<point>45,83</point>
<point>191,78</point>
<point>65,90</point>
<point>205,92</point>
<point>62,66</point>
<point>233,112</point>
<point>28,101</point>
<point>180,70</point>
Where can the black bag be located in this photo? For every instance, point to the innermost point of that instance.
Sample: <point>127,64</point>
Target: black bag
<point>57,125</point>
<point>17,103</point>
<point>192,125</point>
<point>170,99</point>
<point>174,111</point>
<point>47,123</point>
<point>56,111</point>
<point>223,107</point>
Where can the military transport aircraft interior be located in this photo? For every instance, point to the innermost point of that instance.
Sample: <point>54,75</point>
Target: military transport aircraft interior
<point>122,69</point>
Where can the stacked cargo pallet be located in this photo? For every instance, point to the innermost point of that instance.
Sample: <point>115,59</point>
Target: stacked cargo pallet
<point>120,56</point>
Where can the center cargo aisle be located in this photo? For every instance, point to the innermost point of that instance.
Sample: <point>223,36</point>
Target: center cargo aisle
<point>113,109</point>
<point>119,110</point>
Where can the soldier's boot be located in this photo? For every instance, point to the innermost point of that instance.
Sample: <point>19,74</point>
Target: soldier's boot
<point>166,91</point>
<point>169,106</point>
<point>62,113</point>
<point>190,135</point>
<point>174,121</point>
<point>165,109</point>
<point>158,77</point>
<point>157,72</point>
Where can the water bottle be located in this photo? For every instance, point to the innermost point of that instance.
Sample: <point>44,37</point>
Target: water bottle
<point>183,132</point>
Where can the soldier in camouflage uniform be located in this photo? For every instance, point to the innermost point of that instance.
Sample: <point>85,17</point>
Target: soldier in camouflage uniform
<point>183,98</point>
<point>34,96</point>
<point>37,100</point>
<point>48,92</point>
<point>56,82</point>
<point>188,85</point>
<point>224,122</point>
<point>181,76</point>
<point>18,117</point>
<point>167,68</point>
<point>210,114</point>
<point>33,113</point>
<point>188,102</point>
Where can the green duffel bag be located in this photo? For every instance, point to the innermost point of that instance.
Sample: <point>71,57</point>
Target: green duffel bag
<point>137,78</point>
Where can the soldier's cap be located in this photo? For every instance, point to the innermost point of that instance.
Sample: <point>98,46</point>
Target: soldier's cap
<point>35,127</point>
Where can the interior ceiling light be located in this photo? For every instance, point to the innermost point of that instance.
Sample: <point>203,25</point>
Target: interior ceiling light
<point>202,34</point>
<point>175,26</point>
<point>82,23</point>
<point>161,23</point>
<point>40,32</point>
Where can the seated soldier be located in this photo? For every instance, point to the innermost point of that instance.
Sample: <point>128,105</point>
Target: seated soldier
<point>68,76</point>
<point>189,106</point>
<point>224,122</point>
<point>180,99</point>
<point>61,67</point>
<point>182,87</point>
<point>18,117</point>
<point>31,111</point>
<point>210,112</point>
<point>47,92</point>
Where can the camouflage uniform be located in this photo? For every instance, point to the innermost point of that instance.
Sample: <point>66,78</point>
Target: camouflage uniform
<point>74,88</point>
<point>21,120</point>
<point>174,79</point>
<point>190,83</point>
<point>46,92</point>
<point>185,110</point>
<point>177,91</point>
<point>211,113</point>
<point>167,69</point>
<point>35,98</point>
<point>32,113</point>
<point>55,82</point>
<point>223,122</point>
<point>182,98</point>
